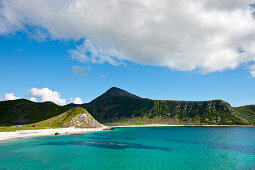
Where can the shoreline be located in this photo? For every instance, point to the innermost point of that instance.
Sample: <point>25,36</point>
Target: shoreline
<point>7,136</point>
<point>162,125</point>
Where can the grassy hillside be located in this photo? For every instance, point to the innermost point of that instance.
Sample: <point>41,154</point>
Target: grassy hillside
<point>23,111</point>
<point>119,106</point>
<point>46,114</point>
<point>143,111</point>
<point>247,112</point>
<point>74,117</point>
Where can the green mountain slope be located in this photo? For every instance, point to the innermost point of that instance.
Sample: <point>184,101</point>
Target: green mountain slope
<point>46,114</point>
<point>119,106</point>
<point>74,117</point>
<point>23,111</point>
<point>247,112</point>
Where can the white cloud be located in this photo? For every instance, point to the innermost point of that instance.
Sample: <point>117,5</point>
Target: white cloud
<point>90,53</point>
<point>252,70</point>
<point>33,99</point>
<point>10,96</point>
<point>76,100</point>
<point>79,70</point>
<point>200,35</point>
<point>46,94</point>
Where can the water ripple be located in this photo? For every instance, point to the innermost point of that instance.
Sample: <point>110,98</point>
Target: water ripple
<point>231,147</point>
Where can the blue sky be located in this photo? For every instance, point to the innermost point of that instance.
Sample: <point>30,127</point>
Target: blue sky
<point>72,50</point>
<point>26,63</point>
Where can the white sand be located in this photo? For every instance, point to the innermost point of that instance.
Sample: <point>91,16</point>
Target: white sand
<point>45,132</point>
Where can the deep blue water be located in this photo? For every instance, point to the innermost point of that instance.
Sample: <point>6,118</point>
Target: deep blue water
<point>136,148</point>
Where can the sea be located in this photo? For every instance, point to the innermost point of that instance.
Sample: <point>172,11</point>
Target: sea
<point>135,148</point>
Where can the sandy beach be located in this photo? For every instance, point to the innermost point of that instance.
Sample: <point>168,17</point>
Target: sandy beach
<point>46,132</point>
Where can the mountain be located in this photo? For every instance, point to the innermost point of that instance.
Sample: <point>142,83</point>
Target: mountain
<point>114,91</point>
<point>119,106</point>
<point>22,111</point>
<point>115,104</point>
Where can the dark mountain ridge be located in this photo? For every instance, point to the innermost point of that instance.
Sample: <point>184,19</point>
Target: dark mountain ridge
<point>22,111</point>
<point>119,106</point>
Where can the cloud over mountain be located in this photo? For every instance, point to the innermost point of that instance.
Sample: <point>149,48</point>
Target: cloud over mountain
<point>45,94</point>
<point>10,96</point>
<point>195,35</point>
<point>76,100</point>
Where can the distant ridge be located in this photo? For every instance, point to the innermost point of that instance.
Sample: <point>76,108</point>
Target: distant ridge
<point>119,106</point>
<point>22,111</point>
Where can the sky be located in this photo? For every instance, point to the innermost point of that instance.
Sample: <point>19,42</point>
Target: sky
<point>72,51</point>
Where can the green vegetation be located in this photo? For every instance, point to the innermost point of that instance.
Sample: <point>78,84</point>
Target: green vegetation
<point>246,112</point>
<point>74,117</point>
<point>22,127</point>
<point>118,106</point>
<point>22,111</point>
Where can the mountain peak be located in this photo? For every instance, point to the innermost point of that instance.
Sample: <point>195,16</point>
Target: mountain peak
<point>115,91</point>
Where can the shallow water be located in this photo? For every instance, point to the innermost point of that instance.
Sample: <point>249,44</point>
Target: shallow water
<point>136,148</point>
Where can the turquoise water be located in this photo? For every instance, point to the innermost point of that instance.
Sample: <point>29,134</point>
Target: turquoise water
<point>136,148</point>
